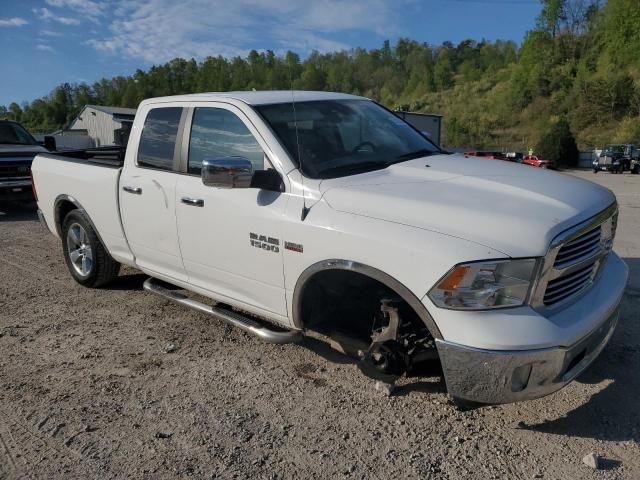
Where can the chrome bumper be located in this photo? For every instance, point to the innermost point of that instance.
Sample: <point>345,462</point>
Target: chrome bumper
<point>494,377</point>
<point>17,183</point>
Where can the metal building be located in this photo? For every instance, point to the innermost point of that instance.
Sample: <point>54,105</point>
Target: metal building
<point>428,123</point>
<point>104,124</point>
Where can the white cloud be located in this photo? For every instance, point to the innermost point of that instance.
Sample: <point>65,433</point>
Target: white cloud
<point>12,22</point>
<point>87,7</point>
<point>159,30</point>
<point>49,33</point>
<point>45,48</point>
<point>46,14</point>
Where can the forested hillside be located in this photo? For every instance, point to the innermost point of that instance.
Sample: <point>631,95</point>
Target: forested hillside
<point>581,63</point>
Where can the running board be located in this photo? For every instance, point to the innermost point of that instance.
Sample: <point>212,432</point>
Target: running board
<point>236,319</point>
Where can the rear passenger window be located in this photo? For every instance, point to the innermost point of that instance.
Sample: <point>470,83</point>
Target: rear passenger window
<point>158,139</point>
<point>217,133</point>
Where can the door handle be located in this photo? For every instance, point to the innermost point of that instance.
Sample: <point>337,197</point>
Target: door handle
<point>136,190</point>
<point>194,202</point>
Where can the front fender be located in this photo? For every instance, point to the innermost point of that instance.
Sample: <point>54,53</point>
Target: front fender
<point>407,259</point>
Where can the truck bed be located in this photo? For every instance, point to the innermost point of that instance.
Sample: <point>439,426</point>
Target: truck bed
<point>111,156</point>
<point>89,179</point>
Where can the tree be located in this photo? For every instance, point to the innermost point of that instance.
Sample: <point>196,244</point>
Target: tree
<point>558,144</point>
<point>15,112</point>
<point>621,31</point>
<point>551,15</point>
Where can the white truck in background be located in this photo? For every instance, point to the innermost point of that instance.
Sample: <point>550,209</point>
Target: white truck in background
<point>319,213</point>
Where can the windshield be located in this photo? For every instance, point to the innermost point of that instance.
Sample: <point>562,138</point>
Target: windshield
<point>13,134</point>
<point>614,149</point>
<point>335,138</point>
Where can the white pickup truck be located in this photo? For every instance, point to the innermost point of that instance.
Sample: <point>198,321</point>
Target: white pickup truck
<point>314,213</point>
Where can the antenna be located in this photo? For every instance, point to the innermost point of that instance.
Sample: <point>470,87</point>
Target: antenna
<point>305,209</point>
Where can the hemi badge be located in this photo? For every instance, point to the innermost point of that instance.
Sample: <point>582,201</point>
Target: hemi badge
<point>294,247</point>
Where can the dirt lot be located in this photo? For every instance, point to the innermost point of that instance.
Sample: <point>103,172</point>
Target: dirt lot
<point>88,389</point>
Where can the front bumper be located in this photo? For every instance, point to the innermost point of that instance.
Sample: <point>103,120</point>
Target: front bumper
<point>18,187</point>
<point>505,376</point>
<point>493,377</point>
<point>606,167</point>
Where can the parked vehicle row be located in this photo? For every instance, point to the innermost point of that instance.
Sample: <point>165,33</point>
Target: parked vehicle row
<point>323,213</point>
<point>516,157</point>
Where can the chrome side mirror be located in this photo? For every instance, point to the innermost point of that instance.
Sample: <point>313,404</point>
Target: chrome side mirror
<point>227,172</point>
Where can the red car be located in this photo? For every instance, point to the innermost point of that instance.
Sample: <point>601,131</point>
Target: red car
<point>537,162</point>
<point>485,154</point>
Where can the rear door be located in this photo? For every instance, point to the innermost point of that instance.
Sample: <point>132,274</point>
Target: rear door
<point>148,193</point>
<point>231,239</point>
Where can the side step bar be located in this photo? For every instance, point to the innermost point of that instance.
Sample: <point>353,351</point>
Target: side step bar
<point>236,319</point>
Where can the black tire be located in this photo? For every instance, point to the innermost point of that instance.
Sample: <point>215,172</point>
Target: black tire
<point>93,267</point>
<point>595,170</point>
<point>636,170</point>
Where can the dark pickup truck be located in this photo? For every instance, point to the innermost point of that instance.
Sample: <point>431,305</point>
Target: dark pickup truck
<point>17,149</point>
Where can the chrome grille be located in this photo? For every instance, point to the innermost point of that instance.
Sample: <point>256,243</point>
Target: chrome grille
<point>583,247</point>
<point>574,260</point>
<point>567,285</point>
<point>12,171</point>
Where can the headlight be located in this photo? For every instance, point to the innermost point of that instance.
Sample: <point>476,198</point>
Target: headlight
<point>484,285</point>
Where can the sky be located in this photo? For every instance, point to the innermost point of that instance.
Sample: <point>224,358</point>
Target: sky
<point>48,42</point>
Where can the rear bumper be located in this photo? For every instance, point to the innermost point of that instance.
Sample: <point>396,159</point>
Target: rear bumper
<point>505,376</point>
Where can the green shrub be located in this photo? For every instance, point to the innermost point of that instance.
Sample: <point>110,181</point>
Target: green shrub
<point>558,144</point>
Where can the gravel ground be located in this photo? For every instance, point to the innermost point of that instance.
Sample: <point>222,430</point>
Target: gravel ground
<point>119,383</point>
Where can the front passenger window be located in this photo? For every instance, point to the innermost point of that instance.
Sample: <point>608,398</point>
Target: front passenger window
<point>217,133</point>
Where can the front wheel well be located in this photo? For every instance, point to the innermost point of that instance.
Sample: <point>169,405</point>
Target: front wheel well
<point>353,273</point>
<point>357,309</point>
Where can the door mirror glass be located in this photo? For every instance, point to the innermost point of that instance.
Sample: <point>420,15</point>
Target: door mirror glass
<point>227,172</point>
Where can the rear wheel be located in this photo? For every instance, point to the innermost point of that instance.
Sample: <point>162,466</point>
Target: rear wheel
<point>595,170</point>
<point>636,169</point>
<point>87,260</point>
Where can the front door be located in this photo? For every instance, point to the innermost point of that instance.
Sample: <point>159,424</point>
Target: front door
<point>148,194</point>
<point>231,239</point>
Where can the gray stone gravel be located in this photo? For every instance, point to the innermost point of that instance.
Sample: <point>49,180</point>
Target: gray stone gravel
<point>225,405</point>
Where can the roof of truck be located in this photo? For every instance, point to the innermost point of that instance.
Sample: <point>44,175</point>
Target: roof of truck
<point>257,98</point>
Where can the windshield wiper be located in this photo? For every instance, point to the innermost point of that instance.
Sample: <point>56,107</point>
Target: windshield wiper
<point>423,152</point>
<point>360,167</point>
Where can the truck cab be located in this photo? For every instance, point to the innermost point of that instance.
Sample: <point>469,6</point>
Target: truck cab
<point>615,158</point>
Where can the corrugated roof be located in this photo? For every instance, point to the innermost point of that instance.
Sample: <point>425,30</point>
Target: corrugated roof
<point>113,110</point>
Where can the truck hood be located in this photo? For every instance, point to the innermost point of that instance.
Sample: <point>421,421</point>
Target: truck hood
<point>20,150</point>
<point>512,208</point>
